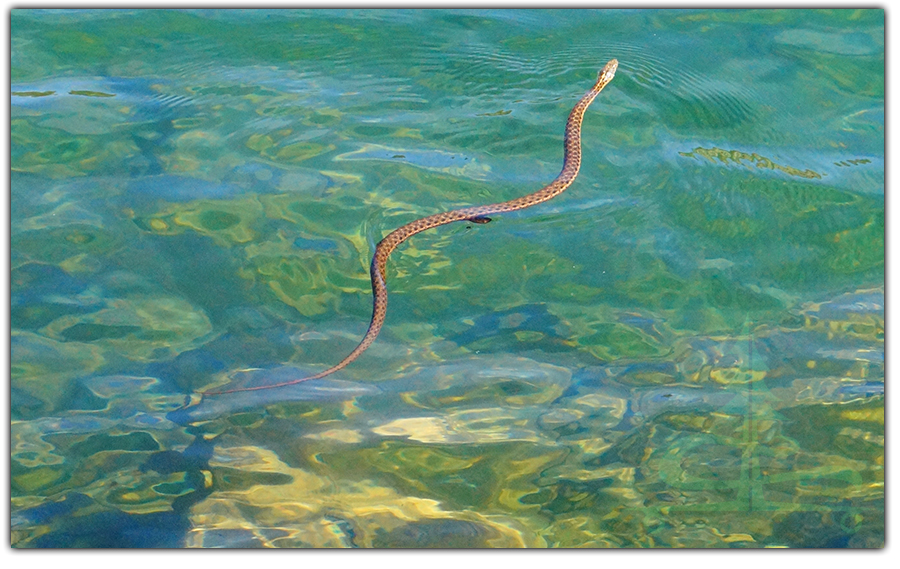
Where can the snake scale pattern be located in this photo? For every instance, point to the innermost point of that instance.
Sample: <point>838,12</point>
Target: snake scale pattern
<point>571,165</point>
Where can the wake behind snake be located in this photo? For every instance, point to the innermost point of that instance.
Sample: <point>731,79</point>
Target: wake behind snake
<point>571,164</point>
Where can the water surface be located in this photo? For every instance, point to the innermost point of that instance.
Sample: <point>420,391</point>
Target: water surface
<point>685,349</point>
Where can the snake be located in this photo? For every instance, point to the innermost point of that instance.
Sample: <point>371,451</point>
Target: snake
<point>476,214</point>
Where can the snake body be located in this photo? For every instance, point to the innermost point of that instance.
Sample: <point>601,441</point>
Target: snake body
<point>571,165</point>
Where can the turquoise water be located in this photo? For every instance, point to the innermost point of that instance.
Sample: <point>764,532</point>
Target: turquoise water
<point>685,349</point>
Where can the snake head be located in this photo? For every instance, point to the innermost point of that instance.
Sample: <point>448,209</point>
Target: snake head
<point>608,72</point>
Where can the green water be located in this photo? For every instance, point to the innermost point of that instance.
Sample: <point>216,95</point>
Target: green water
<point>685,349</point>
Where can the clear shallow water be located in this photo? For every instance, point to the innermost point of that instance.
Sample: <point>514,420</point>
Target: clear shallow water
<point>685,349</point>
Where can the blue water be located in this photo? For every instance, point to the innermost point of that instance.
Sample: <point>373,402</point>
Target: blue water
<point>685,349</point>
